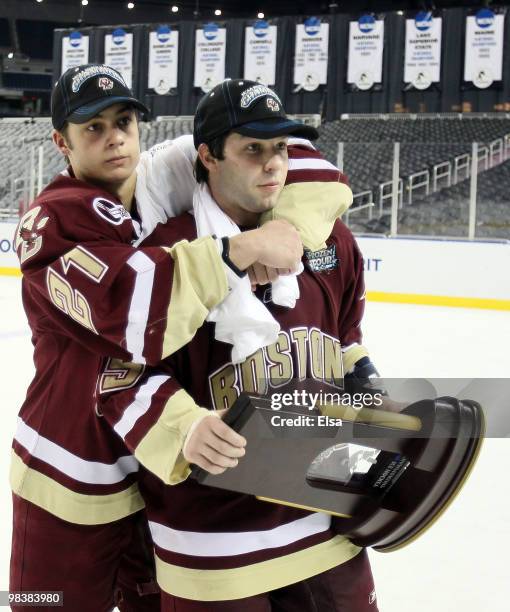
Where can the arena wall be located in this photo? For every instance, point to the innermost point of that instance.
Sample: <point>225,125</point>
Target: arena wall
<point>402,270</point>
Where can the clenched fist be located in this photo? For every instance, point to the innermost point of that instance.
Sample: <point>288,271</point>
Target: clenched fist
<point>276,244</point>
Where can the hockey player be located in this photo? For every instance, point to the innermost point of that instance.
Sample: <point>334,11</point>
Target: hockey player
<point>88,292</point>
<point>219,550</point>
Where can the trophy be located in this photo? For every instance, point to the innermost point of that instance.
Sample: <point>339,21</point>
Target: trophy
<point>385,477</point>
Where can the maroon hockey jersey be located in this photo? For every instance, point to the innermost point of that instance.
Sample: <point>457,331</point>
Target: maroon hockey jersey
<point>213,544</point>
<point>88,293</point>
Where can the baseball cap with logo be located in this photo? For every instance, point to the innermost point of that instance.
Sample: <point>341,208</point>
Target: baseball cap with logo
<point>245,107</point>
<point>84,91</point>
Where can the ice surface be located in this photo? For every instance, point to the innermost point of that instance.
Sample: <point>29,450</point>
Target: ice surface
<point>461,563</point>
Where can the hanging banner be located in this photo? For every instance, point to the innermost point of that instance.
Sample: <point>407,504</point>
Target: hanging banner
<point>118,53</point>
<point>422,65</point>
<point>311,54</point>
<point>260,53</point>
<point>483,63</point>
<point>366,44</point>
<point>210,48</point>
<point>75,50</point>
<point>163,58</point>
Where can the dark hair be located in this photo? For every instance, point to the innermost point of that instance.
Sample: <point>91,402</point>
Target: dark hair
<point>217,150</point>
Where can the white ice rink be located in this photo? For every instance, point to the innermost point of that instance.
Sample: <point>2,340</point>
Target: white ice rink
<point>462,562</point>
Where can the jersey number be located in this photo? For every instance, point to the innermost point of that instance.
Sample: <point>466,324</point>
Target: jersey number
<point>119,375</point>
<point>70,300</point>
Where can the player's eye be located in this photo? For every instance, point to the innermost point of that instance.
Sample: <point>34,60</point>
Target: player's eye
<point>254,147</point>
<point>282,146</point>
<point>125,121</point>
<point>93,127</point>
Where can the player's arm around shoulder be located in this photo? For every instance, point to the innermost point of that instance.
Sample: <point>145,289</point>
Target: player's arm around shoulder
<point>165,177</point>
<point>78,261</point>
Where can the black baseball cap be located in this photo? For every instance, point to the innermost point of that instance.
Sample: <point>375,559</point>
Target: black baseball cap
<point>248,108</point>
<point>84,91</point>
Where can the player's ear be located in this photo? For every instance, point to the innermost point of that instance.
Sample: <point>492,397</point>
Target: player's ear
<point>60,142</point>
<point>206,157</point>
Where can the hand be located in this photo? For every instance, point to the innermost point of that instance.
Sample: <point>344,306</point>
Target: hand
<point>214,446</point>
<point>281,245</point>
<point>275,245</point>
<point>261,275</point>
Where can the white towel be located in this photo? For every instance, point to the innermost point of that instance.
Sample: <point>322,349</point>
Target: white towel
<point>241,319</point>
<point>285,289</point>
<point>164,186</point>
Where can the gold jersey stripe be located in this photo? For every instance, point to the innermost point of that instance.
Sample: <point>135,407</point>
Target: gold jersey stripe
<point>160,449</point>
<point>312,208</point>
<point>236,583</point>
<point>68,505</point>
<point>438,300</point>
<point>352,355</point>
<point>199,284</point>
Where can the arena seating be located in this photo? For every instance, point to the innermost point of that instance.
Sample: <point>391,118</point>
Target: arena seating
<point>446,212</point>
<point>435,155</point>
<point>434,165</point>
<point>425,142</point>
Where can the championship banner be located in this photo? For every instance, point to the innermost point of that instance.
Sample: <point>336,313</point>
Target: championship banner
<point>210,49</point>
<point>483,62</point>
<point>366,44</point>
<point>422,65</point>
<point>260,53</point>
<point>75,50</point>
<point>163,58</point>
<point>118,53</point>
<point>311,54</point>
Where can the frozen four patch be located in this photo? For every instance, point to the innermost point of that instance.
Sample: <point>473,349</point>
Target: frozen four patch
<point>322,260</point>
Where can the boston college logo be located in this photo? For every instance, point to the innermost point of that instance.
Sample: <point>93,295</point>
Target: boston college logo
<point>105,83</point>
<point>273,105</point>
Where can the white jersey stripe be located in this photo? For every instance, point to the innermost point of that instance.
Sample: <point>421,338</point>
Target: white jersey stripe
<point>140,404</point>
<point>225,544</point>
<point>301,141</point>
<point>311,164</point>
<point>90,472</point>
<point>140,303</point>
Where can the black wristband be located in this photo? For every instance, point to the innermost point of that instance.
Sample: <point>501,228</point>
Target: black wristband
<point>225,255</point>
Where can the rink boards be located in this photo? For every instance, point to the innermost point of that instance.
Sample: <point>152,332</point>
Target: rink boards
<point>438,272</point>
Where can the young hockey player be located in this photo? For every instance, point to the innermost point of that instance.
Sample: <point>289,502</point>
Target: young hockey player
<point>89,292</point>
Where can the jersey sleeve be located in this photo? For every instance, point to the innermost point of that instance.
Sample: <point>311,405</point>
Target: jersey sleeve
<point>352,304</point>
<point>150,411</point>
<point>87,281</point>
<point>313,197</point>
<point>166,181</point>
